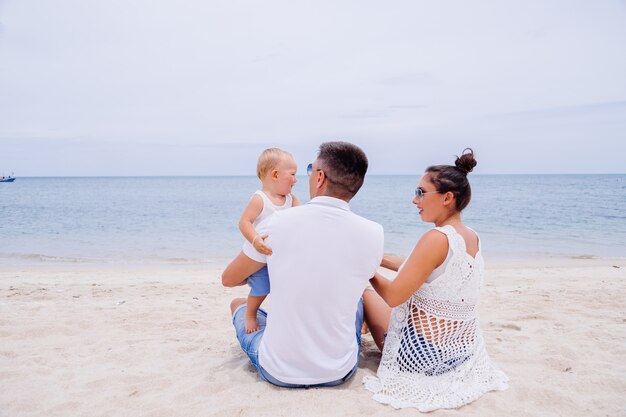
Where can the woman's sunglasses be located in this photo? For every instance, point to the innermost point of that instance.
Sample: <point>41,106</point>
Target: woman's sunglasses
<point>420,193</point>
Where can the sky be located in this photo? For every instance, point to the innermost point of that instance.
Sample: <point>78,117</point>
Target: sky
<point>152,87</point>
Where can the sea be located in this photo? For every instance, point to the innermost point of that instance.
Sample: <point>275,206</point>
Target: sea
<point>194,220</point>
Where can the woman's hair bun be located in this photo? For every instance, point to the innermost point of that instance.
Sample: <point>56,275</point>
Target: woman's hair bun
<point>466,162</point>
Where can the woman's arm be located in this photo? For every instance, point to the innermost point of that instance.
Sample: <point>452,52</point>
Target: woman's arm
<point>391,262</point>
<point>428,254</point>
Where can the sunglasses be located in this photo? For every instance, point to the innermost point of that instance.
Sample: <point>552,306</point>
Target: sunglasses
<point>420,193</point>
<point>309,169</point>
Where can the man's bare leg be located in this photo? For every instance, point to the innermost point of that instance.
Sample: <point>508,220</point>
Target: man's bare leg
<point>236,303</point>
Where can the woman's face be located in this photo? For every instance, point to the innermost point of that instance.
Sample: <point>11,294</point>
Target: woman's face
<point>430,204</point>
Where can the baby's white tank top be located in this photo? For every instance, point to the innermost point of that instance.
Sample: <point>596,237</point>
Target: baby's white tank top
<point>259,223</point>
<point>270,208</point>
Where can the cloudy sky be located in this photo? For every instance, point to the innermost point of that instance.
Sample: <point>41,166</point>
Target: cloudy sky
<point>145,87</point>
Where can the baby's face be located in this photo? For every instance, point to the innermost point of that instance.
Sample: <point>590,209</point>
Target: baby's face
<point>285,177</point>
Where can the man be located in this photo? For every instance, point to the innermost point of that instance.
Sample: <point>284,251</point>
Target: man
<point>323,256</point>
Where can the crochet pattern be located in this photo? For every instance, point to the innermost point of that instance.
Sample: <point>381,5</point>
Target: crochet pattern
<point>434,354</point>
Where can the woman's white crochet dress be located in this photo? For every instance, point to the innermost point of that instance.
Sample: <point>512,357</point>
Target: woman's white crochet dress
<point>434,354</point>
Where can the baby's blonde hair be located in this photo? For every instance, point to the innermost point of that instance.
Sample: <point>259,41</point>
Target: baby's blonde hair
<point>269,160</point>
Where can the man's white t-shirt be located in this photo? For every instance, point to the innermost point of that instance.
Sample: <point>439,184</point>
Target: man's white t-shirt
<point>323,258</point>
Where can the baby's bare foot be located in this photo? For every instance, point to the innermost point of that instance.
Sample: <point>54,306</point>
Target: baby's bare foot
<point>251,324</point>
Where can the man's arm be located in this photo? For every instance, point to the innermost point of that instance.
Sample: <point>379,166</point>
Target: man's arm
<point>239,270</point>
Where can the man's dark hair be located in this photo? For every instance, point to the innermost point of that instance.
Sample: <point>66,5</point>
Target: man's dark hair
<point>345,166</point>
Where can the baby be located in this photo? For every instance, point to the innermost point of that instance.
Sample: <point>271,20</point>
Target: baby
<point>277,171</point>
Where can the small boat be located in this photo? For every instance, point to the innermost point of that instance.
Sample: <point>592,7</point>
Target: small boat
<point>7,179</point>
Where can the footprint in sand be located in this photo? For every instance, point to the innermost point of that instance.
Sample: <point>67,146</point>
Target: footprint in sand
<point>511,327</point>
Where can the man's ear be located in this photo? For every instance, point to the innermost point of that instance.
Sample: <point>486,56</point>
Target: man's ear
<point>321,179</point>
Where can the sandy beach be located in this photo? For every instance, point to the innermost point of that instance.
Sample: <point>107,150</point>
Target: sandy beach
<point>102,340</point>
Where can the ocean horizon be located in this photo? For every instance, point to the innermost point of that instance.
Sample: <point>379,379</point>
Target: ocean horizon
<point>194,219</point>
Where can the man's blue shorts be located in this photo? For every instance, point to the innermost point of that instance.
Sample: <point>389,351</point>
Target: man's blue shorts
<point>250,345</point>
<point>259,282</point>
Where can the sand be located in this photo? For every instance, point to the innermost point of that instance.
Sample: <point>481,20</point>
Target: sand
<point>102,340</point>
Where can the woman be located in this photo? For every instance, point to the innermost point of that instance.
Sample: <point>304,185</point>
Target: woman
<point>433,351</point>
